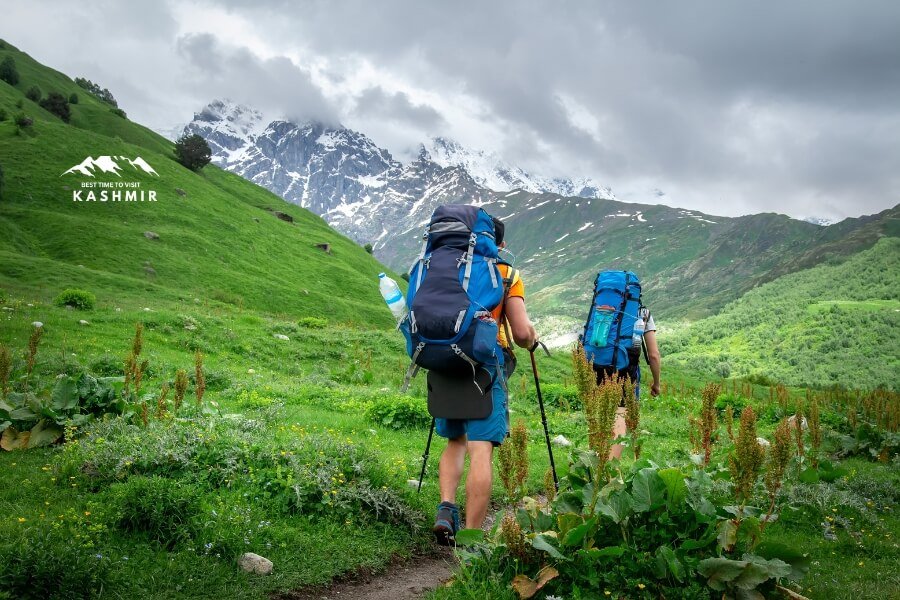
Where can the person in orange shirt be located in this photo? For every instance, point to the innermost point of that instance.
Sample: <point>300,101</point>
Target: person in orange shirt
<point>478,437</point>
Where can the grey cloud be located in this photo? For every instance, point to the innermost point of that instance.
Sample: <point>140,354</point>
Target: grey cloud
<point>275,85</point>
<point>376,103</point>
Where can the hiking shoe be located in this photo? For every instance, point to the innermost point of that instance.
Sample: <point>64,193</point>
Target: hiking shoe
<point>446,524</point>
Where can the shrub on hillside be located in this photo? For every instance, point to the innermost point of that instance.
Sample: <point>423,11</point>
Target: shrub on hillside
<point>306,474</point>
<point>102,93</point>
<point>34,93</point>
<point>57,104</point>
<point>399,412</point>
<point>73,98</point>
<point>313,322</point>
<point>368,248</point>
<point>165,510</point>
<point>193,152</point>
<point>2,114</point>
<point>118,112</point>
<point>8,71</point>
<point>22,121</point>
<point>79,299</point>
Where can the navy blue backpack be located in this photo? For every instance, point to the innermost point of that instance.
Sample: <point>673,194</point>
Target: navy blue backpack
<point>607,336</point>
<point>454,285</point>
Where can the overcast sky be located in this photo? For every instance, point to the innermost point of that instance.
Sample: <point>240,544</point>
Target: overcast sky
<point>727,107</point>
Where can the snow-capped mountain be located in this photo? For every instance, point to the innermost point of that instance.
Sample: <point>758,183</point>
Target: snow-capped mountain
<point>491,171</point>
<point>356,186</point>
<point>335,172</point>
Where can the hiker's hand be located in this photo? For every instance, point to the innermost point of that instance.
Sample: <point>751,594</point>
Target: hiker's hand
<point>654,389</point>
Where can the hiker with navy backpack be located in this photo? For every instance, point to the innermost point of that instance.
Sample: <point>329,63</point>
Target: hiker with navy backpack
<point>465,305</point>
<point>619,328</point>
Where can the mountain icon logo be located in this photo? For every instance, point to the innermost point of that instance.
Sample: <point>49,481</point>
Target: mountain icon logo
<point>109,164</point>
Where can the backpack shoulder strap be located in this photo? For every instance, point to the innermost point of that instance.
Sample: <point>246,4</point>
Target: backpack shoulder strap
<point>511,275</point>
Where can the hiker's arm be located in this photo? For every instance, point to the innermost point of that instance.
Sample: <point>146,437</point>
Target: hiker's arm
<point>654,359</point>
<point>522,330</point>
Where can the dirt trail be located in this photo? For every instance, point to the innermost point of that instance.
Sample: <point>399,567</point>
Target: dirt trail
<point>408,580</point>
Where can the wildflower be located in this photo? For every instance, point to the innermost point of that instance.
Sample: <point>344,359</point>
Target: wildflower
<point>87,513</point>
<point>607,593</point>
<point>22,519</point>
<point>641,586</point>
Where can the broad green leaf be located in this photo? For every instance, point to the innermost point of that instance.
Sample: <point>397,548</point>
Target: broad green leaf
<point>831,473</point>
<point>22,414</point>
<point>648,490</point>
<point>617,506</point>
<point>727,535</point>
<point>4,425</point>
<point>719,571</point>
<point>676,488</point>
<point>566,522</point>
<point>798,561</point>
<point>65,394</point>
<point>4,407</point>
<point>809,475</point>
<point>468,537</point>
<point>568,502</point>
<point>545,542</point>
<point>759,570</point>
<point>748,529</point>
<point>44,434</point>
<point>672,563</point>
<point>576,535</point>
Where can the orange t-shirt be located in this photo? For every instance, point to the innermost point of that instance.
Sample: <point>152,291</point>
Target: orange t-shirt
<point>516,289</point>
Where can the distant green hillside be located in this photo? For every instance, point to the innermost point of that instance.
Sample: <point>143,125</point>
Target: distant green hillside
<point>832,324</point>
<point>692,264</point>
<point>218,236</point>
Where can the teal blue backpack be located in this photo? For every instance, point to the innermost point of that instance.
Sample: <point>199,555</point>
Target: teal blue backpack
<point>607,336</point>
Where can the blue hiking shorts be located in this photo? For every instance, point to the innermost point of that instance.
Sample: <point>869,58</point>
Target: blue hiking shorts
<point>493,428</point>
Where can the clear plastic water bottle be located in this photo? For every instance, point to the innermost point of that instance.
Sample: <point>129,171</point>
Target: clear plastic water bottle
<point>392,295</point>
<point>637,336</point>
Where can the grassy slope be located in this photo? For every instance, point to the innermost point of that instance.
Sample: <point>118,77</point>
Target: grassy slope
<point>217,241</point>
<point>832,324</point>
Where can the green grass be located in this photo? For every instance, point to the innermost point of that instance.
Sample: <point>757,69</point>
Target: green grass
<point>829,325</point>
<point>218,242</point>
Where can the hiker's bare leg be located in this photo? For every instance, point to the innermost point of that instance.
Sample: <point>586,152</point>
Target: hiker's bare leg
<point>619,430</point>
<point>478,483</point>
<point>450,468</point>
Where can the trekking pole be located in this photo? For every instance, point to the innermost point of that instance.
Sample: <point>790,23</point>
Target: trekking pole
<point>425,456</point>
<point>537,387</point>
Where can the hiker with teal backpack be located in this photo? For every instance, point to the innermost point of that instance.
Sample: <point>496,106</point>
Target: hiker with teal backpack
<point>618,328</point>
<point>464,307</point>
